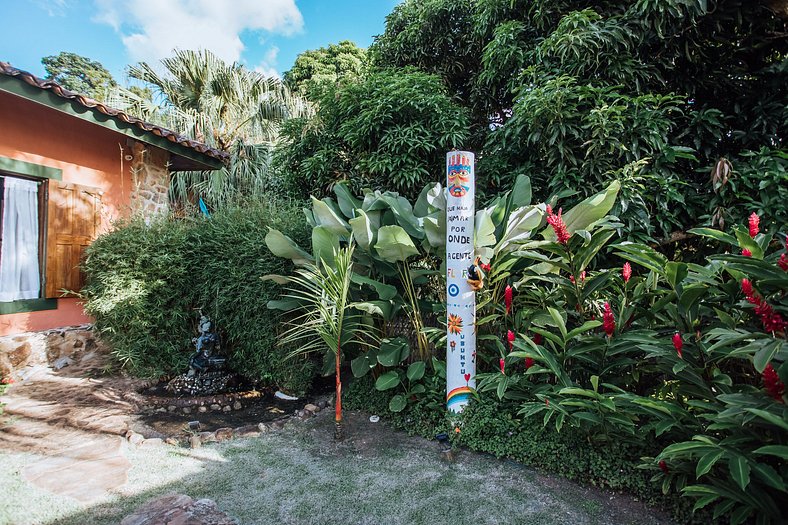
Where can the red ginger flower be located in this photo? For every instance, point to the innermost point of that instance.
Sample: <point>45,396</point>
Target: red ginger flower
<point>746,252</point>
<point>608,321</point>
<point>538,339</point>
<point>510,339</point>
<point>746,288</point>
<point>558,224</point>
<point>772,321</point>
<point>754,222</point>
<point>507,299</point>
<point>663,466</point>
<point>772,383</point>
<point>502,363</point>
<point>626,272</point>
<point>783,262</point>
<point>582,277</point>
<point>529,362</point>
<point>678,344</point>
<point>485,267</point>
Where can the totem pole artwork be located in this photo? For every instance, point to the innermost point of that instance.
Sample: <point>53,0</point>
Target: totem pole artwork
<point>460,296</point>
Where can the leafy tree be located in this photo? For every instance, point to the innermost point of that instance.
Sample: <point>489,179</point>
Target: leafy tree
<point>228,107</point>
<point>79,74</point>
<point>344,61</point>
<point>653,93</point>
<point>391,130</point>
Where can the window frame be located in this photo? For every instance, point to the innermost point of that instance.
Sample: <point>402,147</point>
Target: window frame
<point>30,171</point>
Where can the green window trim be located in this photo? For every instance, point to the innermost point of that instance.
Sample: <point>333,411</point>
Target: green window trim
<point>27,305</point>
<point>20,167</point>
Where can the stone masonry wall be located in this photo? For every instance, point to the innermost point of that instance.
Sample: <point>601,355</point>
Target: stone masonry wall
<point>150,180</point>
<point>21,353</point>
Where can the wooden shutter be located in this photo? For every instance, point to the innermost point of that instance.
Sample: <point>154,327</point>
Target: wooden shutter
<point>73,214</point>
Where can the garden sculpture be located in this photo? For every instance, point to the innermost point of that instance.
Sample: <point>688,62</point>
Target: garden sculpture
<point>206,344</point>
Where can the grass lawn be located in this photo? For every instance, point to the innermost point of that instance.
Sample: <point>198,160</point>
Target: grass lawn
<point>300,476</point>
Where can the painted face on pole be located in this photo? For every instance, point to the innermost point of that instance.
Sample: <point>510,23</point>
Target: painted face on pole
<point>460,297</point>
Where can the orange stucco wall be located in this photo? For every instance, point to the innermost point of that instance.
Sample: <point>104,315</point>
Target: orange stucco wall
<point>88,154</point>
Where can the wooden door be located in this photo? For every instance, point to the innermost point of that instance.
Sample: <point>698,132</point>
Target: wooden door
<point>73,215</point>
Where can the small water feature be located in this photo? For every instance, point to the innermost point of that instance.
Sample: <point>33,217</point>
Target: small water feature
<point>212,395</point>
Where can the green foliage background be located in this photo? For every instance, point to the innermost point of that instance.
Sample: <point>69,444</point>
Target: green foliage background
<point>146,284</point>
<point>654,93</point>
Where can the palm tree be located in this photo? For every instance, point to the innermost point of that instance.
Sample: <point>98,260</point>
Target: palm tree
<point>228,107</point>
<point>326,319</point>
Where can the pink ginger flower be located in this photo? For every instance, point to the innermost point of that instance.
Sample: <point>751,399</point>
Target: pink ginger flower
<point>754,222</point>
<point>678,344</point>
<point>772,383</point>
<point>558,224</point>
<point>507,298</point>
<point>608,321</point>
<point>626,272</point>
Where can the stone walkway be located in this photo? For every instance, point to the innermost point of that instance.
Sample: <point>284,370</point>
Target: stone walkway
<point>75,424</point>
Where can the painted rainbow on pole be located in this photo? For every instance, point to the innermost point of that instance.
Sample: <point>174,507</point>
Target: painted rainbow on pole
<point>460,298</point>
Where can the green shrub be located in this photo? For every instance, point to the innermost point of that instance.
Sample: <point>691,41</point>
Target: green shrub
<point>147,283</point>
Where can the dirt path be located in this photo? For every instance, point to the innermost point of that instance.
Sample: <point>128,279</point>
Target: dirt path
<point>297,475</point>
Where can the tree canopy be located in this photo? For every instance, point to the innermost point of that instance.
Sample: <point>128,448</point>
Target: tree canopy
<point>344,61</point>
<point>79,74</point>
<point>653,93</point>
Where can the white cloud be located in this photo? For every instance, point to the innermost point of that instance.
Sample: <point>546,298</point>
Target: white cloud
<point>267,65</point>
<point>151,29</point>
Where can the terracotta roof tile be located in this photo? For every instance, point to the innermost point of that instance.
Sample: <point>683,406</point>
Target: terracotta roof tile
<point>57,89</point>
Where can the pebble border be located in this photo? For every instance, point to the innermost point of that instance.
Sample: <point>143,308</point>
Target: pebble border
<point>226,433</point>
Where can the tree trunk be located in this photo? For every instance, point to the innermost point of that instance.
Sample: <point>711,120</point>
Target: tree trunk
<point>338,433</point>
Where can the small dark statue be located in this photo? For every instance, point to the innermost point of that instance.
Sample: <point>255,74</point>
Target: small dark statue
<point>206,344</point>
<point>206,375</point>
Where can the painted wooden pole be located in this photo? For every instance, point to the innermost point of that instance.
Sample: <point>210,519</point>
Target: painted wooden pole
<point>460,298</point>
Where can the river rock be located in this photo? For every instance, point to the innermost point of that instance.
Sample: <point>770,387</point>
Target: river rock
<point>179,509</point>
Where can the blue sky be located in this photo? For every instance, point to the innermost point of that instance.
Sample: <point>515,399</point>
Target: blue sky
<point>265,35</point>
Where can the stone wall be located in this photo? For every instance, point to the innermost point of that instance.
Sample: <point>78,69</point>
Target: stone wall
<point>150,180</point>
<point>21,354</point>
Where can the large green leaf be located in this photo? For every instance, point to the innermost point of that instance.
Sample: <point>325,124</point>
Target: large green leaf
<point>394,244</point>
<point>325,244</point>
<point>384,309</point>
<point>387,381</point>
<point>398,403</point>
<point>393,351</point>
<point>363,231</point>
<point>714,234</point>
<point>325,216</point>
<point>740,470</point>
<point>347,202</point>
<point>403,213</point>
<point>521,192</point>
<point>748,243</point>
<point>430,199</point>
<point>384,291</point>
<point>434,226</point>
<point>416,371</point>
<point>484,229</point>
<point>519,227</point>
<point>588,211</point>
<point>283,246</point>
<point>707,461</point>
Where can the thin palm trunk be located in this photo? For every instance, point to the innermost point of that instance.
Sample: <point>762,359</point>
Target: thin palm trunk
<point>338,434</point>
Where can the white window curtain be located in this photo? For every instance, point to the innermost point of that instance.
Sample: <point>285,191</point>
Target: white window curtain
<point>19,272</point>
